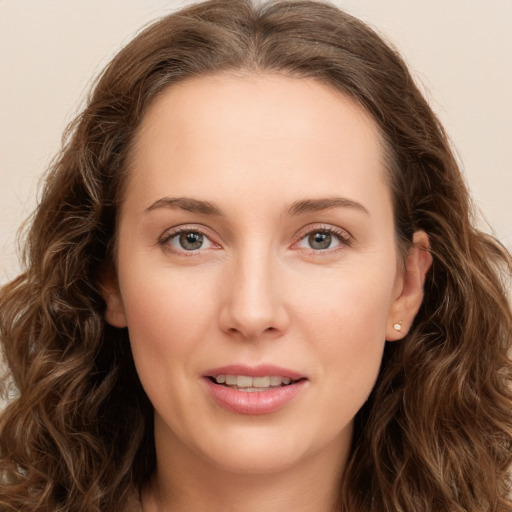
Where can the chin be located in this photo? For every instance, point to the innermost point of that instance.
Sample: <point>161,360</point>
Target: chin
<point>255,462</point>
<point>267,450</point>
<point>255,451</point>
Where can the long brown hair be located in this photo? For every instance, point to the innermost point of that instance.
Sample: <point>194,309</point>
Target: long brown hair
<point>435,434</point>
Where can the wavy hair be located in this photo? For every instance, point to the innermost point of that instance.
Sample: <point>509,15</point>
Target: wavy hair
<point>435,434</point>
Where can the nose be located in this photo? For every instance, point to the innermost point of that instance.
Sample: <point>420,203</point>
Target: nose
<point>253,307</point>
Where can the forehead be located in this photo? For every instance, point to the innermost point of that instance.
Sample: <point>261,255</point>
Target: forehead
<point>256,129</point>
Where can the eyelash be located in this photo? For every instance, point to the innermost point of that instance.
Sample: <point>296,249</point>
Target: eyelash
<point>164,241</point>
<point>342,236</point>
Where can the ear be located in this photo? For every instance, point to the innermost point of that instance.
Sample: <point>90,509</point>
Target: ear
<point>109,287</point>
<point>410,293</point>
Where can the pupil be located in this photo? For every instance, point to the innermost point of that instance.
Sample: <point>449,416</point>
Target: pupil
<point>191,241</point>
<point>320,240</point>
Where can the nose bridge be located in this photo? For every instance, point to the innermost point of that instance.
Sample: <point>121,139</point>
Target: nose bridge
<point>253,305</point>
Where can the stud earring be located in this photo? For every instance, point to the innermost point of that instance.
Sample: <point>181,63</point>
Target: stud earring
<point>398,326</point>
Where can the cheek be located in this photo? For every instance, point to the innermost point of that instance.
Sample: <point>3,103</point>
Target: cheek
<point>353,337</point>
<point>168,315</point>
<point>345,324</point>
<point>355,304</point>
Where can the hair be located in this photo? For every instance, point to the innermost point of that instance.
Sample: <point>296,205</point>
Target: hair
<point>435,434</point>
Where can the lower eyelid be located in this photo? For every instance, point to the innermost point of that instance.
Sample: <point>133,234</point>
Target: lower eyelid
<point>341,236</point>
<point>167,241</point>
<point>337,243</point>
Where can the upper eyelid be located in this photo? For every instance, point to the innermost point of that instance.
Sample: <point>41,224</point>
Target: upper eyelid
<point>311,228</point>
<point>344,235</point>
<point>170,233</point>
<point>345,239</point>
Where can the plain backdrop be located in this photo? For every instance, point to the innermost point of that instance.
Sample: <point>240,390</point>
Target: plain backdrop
<point>460,52</point>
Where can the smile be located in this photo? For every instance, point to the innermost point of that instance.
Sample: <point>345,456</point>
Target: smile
<point>252,384</point>
<point>263,389</point>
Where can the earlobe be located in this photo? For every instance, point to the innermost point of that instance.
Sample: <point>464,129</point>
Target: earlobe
<point>109,286</point>
<point>408,302</point>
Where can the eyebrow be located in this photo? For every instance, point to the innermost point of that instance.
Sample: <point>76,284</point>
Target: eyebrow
<point>327,203</point>
<point>297,208</point>
<point>185,203</point>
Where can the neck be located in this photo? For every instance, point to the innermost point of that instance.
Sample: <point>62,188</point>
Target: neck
<point>187,482</point>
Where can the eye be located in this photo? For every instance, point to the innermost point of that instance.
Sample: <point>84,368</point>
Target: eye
<point>187,240</point>
<point>323,239</point>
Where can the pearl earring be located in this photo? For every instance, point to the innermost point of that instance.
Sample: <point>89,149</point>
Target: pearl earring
<point>398,326</point>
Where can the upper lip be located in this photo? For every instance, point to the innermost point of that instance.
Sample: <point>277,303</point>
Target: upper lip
<point>261,370</point>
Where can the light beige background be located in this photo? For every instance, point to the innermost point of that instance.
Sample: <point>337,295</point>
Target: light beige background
<point>460,51</point>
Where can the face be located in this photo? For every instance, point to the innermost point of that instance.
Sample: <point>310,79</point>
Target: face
<point>257,269</point>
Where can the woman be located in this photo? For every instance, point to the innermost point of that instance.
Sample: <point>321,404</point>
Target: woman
<point>253,202</point>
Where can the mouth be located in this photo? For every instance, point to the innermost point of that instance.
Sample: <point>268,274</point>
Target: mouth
<point>265,390</point>
<point>254,390</point>
<point>249,384</point>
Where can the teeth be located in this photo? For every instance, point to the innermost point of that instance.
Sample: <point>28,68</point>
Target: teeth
<point>275,381</point>
<point>252,383</point>
<point>231,380</point>
<point>242,381</point>
<point>261,382</point>
<point>249,390</point>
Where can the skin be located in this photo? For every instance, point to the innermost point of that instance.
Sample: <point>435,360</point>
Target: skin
<point>263,149</point>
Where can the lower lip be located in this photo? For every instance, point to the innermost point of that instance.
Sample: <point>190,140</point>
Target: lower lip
<point>254,402</point>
